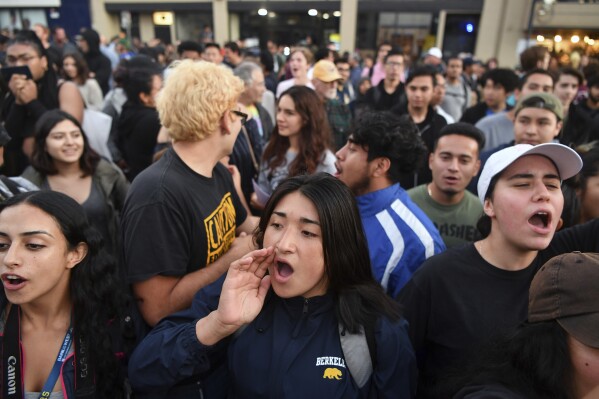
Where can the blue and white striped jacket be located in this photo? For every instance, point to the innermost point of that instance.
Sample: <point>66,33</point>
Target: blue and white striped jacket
<point>400,236</point>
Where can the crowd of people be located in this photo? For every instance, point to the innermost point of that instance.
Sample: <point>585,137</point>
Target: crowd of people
<point>202,221</point>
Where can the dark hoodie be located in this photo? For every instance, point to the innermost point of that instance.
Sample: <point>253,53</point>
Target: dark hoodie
<point>98,63</point>
<point>137,131</point>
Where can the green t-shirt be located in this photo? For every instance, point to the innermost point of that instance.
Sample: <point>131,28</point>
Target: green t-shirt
<point>456,223</point>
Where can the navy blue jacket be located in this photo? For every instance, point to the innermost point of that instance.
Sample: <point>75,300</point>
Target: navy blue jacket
<point>291,350</point>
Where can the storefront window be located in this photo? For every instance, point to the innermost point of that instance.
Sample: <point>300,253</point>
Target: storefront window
<point>22,19</point>
<point>191,25</point>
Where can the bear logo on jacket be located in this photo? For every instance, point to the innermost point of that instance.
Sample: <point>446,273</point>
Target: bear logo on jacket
<point>331,373</point>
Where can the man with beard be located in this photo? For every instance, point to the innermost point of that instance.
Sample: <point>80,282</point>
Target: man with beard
<point>453,163</point>
<point>325,79</point>
<point>400,236</point>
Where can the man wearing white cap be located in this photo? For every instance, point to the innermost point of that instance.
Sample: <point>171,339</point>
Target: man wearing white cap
<point>434,58</point>
<point>325,78</point>
<point>462,298</point>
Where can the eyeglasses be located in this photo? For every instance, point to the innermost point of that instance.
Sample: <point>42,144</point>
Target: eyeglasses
<point>244,117</point>
<point>394,64</point>
<point>22,59</point>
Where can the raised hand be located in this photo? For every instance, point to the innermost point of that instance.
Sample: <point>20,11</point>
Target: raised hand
<point>245,288</point>
<point>241,298</point>
<point>24,90</point>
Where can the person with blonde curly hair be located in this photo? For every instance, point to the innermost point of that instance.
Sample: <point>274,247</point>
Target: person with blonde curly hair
<point>182,216</point>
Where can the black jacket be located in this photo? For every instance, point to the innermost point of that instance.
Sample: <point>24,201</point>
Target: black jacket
<point>429,130</point>
<point>136,138</point>
<point>477,112</point>
<point>377,99</point>
<point>581,126</point>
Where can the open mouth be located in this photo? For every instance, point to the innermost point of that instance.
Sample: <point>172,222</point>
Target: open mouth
<point>284,269</point>
<point>11,279</point>
<point>540,219</point>
<point>337,168</point>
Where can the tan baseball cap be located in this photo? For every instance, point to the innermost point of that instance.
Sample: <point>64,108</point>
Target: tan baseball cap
<point>326,71</point>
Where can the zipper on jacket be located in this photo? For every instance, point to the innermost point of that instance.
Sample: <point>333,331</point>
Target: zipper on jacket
<point>305,311</point>
<point>302,319</point>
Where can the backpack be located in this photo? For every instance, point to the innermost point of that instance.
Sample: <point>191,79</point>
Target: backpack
<point>359,351</point>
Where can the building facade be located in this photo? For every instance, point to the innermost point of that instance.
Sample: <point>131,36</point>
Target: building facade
<point>491,28</point>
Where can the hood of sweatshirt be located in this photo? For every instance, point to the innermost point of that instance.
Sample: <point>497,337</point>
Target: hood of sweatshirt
<point>93,40</point>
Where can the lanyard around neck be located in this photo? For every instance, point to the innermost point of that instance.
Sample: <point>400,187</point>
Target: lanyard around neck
<point>62,356</point>
<point>12,369</point>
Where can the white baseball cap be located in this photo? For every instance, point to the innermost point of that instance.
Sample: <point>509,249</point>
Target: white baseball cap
<point>566,160</point>
<point>435,52</point>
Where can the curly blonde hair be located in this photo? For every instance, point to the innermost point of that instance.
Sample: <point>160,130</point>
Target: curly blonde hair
<point>194,98</point>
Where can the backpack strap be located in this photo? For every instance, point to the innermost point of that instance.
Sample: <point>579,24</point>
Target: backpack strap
<point>358,353</point>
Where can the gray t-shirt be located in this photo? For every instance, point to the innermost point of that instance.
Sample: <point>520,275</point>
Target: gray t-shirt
<point>498,130</point>
<point>456,100</point>
<point>270,183</point>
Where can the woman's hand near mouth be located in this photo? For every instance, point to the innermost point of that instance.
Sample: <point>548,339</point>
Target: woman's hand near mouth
<point>242,297</point>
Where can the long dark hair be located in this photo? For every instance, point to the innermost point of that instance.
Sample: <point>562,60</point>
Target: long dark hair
<point>359,299</point>
<point>42,161</point>
<point>80,65</point>
<point>533,361</point>
<point>98,299</point>
<point>315,134</point>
